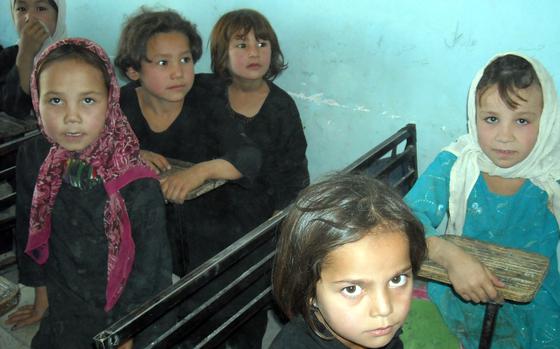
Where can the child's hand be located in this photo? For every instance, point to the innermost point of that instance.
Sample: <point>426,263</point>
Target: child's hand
<point>33,34</point>
<point>176,187</point>
<point>156,161</point>
<point>30,314</point>
<point>472,280</point>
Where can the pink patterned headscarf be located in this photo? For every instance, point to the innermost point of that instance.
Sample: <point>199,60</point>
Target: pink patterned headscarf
<point>115,158</point>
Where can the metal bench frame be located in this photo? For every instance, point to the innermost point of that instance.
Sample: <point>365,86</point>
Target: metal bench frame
<point>394,161</point>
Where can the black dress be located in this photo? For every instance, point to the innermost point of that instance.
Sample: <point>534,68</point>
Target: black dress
<point>13,100</point>
<point>75,273</point>
<point>296,334</point>
<point>205,225</point>
<point>278,131</point>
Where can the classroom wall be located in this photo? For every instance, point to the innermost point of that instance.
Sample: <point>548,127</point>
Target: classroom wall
<point>359,70</point>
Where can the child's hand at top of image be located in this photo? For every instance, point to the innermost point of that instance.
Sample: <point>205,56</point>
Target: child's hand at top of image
<point>33,34</point>
<point>156,161</point>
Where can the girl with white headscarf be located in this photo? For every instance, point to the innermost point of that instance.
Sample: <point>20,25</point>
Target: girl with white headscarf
<point>38,23</point>
<point>498,183</point>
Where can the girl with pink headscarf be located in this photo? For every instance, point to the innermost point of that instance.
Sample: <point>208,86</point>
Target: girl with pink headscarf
<point>90,214</point>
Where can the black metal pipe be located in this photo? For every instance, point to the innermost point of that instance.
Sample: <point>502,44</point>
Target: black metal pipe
<point>490,315</point>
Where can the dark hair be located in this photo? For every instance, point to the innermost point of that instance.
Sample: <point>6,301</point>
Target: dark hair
<point>336,211</point>
<point>510,73</point>
<point>77,52</point>
<point>53,4</point>
<point>243,21</point>
<point>138,30</point>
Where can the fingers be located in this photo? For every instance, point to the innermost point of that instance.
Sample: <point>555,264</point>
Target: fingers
<point>482,290</point>
<point>152,166</point>
<point>33,35</point>
<point>156,161</point>
<point>20,313</point>
<point>174,191</point>
<point>24,316</point>
<point>36,29</point>
<point>495,282</point>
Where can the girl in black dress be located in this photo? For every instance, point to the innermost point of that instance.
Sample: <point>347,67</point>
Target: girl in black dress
<point>345,261</point>
<point>90,213</point>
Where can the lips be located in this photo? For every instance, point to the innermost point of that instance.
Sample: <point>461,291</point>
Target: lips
<point>176,87</point>
<point>254,66</point>
<point>504,153</point>
<point>382,331</point>
<point>73,134</point>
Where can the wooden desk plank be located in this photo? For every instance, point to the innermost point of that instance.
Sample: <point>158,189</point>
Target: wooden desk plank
<point>522,272</point>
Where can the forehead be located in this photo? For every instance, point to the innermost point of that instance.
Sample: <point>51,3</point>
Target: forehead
<point>242,30</point>
<point>57,69</point>
<point>170,41</point>
<point>376,253</point>
<point>530,98</point>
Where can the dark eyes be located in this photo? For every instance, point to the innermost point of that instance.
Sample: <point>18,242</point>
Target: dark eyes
<point>55,100</point>
<point>352,291</point>
<point>399,280</point>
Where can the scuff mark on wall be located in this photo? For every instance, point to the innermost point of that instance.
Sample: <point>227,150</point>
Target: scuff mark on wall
<point>317,98</point>
<point>391,116</point>
<point>458,39</point>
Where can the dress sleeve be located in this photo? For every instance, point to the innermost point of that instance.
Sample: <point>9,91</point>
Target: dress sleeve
<point>29,159</point>
<point>223,132</point>
<point>429,198</point>
<point>151,272</point>
<point>291,173</point>
<point>13,100</point>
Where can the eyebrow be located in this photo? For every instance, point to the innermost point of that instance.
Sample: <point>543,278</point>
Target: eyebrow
<point>364,281</point>
<point>517,112</point>
<point>92,92</point>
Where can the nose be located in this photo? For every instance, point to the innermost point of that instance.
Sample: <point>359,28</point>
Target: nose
<point>253,50</point>
<point>72,114</point>
<point>27,17</point>
<point>380,303</point>
<point>505,133</point>
<point>176,71</point>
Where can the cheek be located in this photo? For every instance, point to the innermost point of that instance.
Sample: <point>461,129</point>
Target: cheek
<point>50,21</point>
<point>98,120</point>
<point>20,22</point>
<point>268,55</point>
<point>235,60</point>
<point>49,125</point>
<point>532,138</point>
<point>401,304</point>
<point>483,135</point>
<point>153,81</point>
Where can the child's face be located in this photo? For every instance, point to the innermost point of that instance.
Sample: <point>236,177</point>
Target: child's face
<point>507,136</point>
<point>41,10</point>
<point>365,289</point>
<point>249,57</point>
<point>73,103</point>
<point>169,73</point>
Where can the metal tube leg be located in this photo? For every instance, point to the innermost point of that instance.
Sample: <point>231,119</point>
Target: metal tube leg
<point>490,315</point>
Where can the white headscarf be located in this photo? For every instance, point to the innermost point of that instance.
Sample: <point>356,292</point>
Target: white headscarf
<point>541,166</point>
<point>60,31</point>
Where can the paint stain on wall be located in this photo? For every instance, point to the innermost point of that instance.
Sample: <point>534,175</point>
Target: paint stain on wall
<point>318,98</point>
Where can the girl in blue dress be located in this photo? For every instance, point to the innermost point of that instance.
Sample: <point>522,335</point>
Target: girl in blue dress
<point>498,183</point>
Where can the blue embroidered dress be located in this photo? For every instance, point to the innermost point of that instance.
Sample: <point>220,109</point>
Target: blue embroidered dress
<point>522,221</point>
